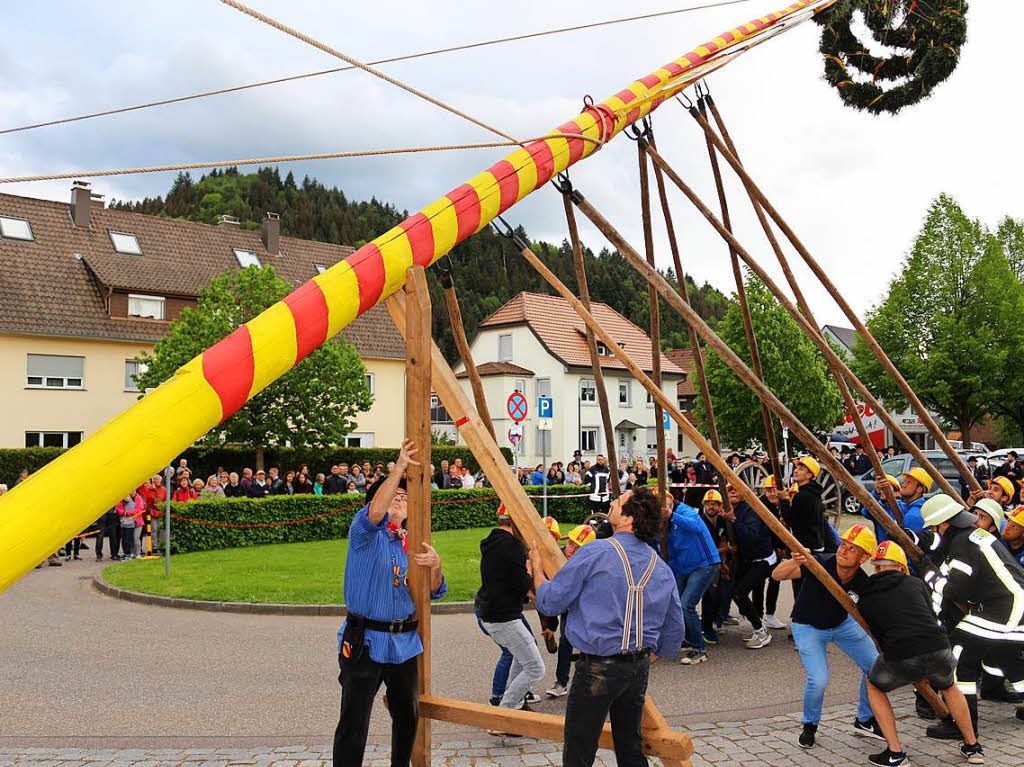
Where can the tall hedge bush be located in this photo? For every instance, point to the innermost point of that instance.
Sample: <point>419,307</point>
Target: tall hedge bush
<point>450,510</point>
<point>204,461</point>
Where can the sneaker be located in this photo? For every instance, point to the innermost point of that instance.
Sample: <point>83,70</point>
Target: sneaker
<point>693,657</point>
<point>888,758</point>
<point>731,620</point>
<point>54,561</point>
<point>807,736</point>
<point>761,638</point>
<point>944,730</point>
<point>773,623</point>
<point>558,691</point>
<point>973,753</point>
<point>495,700</point>
<point>868,728</point>
<point>710,636</point>
<point>78,558</point>
<point>532,697</point>
<point>1020,713</point>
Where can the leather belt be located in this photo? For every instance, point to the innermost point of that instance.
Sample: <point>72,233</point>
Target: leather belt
<point>399,626</point>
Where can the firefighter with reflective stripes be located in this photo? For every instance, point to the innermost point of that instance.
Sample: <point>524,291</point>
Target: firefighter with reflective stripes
<point>978,594</point>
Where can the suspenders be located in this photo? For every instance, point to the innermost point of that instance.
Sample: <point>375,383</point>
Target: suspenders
<point>634,597</point>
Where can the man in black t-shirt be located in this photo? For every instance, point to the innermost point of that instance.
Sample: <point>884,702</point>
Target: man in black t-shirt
<point>597,477</point>
<point>897,608</point>
<point>818,619</point>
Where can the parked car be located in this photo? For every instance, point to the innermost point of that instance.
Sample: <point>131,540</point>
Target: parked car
<point>900,464</point>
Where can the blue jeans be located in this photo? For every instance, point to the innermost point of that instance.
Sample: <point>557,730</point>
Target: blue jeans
<point>849,637</point>
<point>691,589</point>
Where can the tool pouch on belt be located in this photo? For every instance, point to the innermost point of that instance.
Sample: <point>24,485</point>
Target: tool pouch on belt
<point>353,640</point>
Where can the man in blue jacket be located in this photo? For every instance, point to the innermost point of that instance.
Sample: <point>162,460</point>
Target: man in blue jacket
<point>757,559</point>
<point>693,558</point>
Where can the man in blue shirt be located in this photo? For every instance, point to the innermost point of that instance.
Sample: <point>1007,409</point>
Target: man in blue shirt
<point>694,560</point>
<point>378,642</point>
<point>623,612</point>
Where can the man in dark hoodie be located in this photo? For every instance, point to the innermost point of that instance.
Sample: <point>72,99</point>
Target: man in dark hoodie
<point>757,557</point>
<point>806,516</point>
<point>897,608</point>
<point>505,583</point>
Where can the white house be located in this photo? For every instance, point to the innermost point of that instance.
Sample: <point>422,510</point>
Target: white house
<point>536,344</point>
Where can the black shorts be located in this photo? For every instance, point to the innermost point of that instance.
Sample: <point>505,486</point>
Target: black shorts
<point>937,667</point>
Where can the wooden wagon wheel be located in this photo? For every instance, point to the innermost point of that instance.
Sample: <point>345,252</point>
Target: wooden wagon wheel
<point>832,497</point>
<point>753,474</point>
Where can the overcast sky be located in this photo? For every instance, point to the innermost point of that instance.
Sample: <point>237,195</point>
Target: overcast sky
<point>854,187</point>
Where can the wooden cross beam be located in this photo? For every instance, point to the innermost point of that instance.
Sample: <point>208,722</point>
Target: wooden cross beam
<point>673,747</point>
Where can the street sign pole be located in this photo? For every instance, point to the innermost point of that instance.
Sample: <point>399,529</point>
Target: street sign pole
<point>168,474</point>
<point>544,460</point>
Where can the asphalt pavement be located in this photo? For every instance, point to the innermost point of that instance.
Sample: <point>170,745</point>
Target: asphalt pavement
<point>81,669</point>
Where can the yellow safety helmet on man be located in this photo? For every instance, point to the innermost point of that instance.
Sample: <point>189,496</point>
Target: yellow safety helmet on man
<point>810,464</point>
<point>712,495</point>
<point>861,536</point>
<point>921,477</point>
<point>890,551</point>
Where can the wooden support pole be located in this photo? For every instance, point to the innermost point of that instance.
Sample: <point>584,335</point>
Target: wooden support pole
<point>451,300</point>
<point>652,302</point>
<point>595,359</point>
<point>859,326</point>
<point>529,524</point>
<point>737,365</point>
<point>417,428</point>
<point>749,495</point>
<point>844,390</point>
<point>684,293</point>
<point>748,324</point>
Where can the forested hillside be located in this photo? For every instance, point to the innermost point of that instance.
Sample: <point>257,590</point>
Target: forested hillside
<point>487,269</point>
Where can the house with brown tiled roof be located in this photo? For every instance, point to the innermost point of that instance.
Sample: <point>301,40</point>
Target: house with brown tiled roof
<point>536,344</point>
<point>85,289</point>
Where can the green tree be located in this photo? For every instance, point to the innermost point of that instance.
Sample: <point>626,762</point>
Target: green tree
<point>1010,235</point>
<point>947,321</point>
<point>794,370</point>
<point>312,405</point>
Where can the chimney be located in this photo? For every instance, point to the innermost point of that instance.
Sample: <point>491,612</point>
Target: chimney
<point>272,234</point>
<point>81,200</point>
<point>225,220</point>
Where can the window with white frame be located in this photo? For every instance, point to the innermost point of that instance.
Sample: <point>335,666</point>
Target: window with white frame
<point>543,387</point>
<point>150,307</point>
<point>588,439</point>
<point>51,371</point>
<point>246,258</point>
<point>505,347</point>
<point>625,394</point>
<point>438,412</point>
<point>603,350</point>
<point>371,383</point>
<point>652,439</point>
<point>124,242</point>
<point>52,438</point>
<point>132,370</point>
<point>588,391</point>
<point>15,228</point>
<point>650,399</point>
<point>359,440</point>
<point>520,385</point>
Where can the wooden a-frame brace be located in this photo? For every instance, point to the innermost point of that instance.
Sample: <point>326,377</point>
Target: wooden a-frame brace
<point>672,747</point>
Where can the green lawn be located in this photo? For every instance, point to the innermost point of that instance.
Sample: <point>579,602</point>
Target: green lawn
<point>290,573</point>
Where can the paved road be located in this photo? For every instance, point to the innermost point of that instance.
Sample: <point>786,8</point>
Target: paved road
<point>81,667</point>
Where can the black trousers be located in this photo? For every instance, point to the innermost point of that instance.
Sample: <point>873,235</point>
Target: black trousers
<point>110,532</point>
<point>360,680</point>
<point>772,594</point>
<point>603,689</point>
<point>749,593</point>
<point>975,654</point>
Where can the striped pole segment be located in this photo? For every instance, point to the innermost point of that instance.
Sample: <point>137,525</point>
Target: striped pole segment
<point>35,519</point>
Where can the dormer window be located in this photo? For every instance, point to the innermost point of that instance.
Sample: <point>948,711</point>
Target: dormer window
<point>125,243</point>
<point>603,350</point>
<point>150,307</point>
<point>247,258</point>
<point>320,268</point>
<point>16,228</point>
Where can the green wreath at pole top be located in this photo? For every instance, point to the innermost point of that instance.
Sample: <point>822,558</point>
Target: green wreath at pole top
<point>928,36</point>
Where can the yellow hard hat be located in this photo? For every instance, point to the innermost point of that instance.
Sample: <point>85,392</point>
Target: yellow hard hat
<point>890,551</point>
<point>552,525</point>
<point>863,537</point>
<point>1005,484</point>
<point>581,534</point>
<point>1016,516</point>
<point>922,477</point>
<point>810,464</point>
<point>712,495</point>
<point>893,481</point>
<point>770,482</point>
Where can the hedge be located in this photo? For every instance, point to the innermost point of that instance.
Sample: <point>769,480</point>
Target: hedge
<point>452,510</point>
<point>204,460</point>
